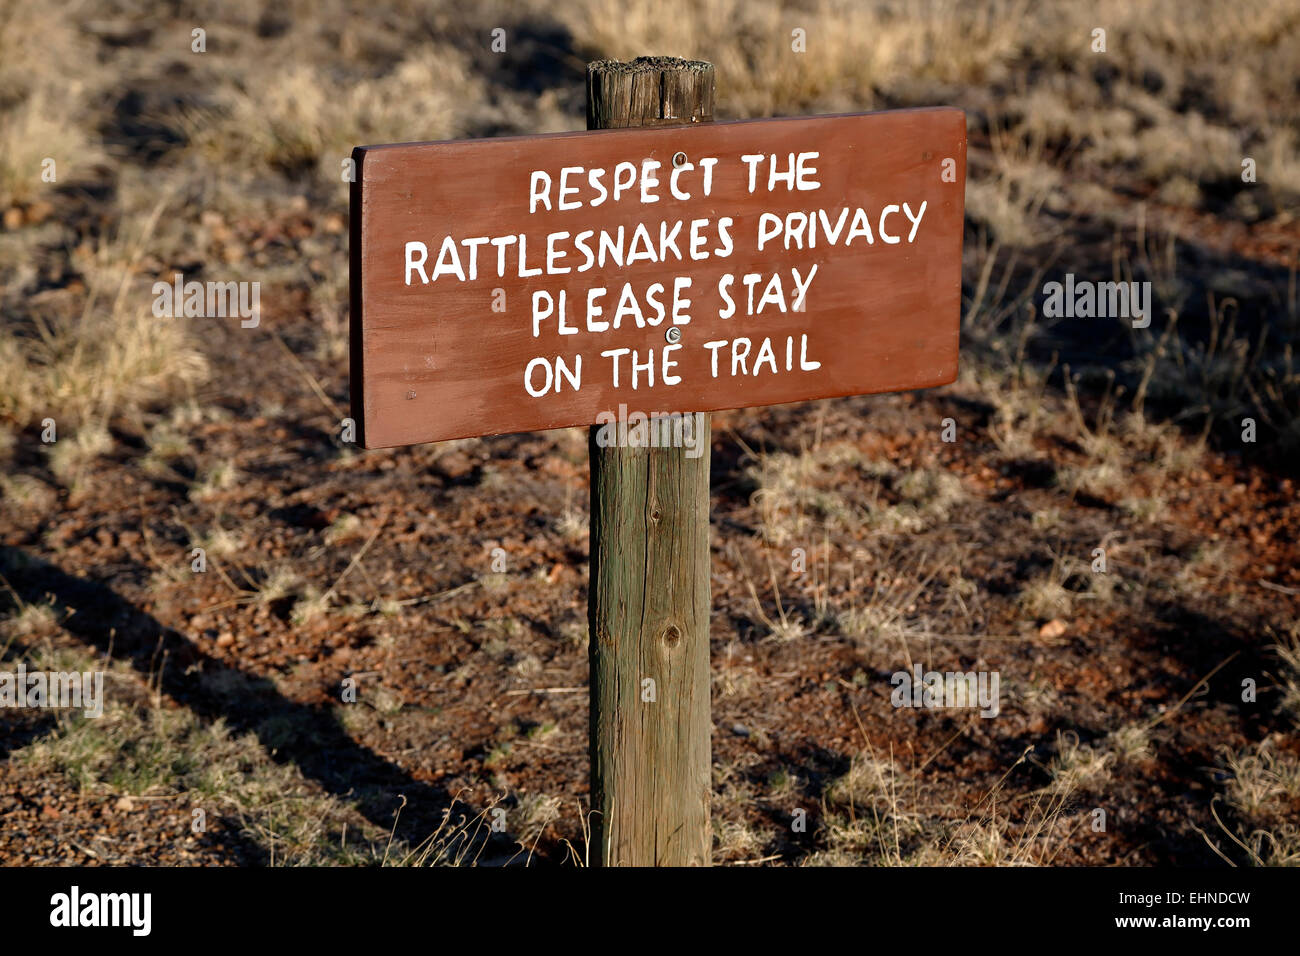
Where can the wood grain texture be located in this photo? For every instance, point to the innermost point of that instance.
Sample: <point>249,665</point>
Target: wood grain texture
<point>648,603</point>
<point>648,613</point>
<point>434,361</point>
<point>649,91</point>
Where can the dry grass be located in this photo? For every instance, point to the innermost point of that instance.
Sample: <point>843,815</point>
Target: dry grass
<point>852,49</point>
<point>1263,786</point>
<point>1262,791</point>
<point>144,748</point>
<point>40,130</point>
<point>1010,200</point>
<point>879,814</point>
<point>307,118</point>
<point>82,367</point>
<point>791,495</point>
<point>44,113</point>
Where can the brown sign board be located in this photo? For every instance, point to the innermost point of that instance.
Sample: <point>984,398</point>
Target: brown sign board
<point>521,283</point>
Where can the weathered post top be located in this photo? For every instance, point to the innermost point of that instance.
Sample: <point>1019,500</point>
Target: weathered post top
<point>649,91</point>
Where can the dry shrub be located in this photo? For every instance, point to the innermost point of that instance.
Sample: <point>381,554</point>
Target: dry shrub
<point>80,366</point>
<point>307,117</point>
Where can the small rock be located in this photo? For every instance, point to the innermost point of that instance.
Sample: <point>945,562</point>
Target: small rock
<point>1052,629</point>
<point>124,804</point>
<point>225,639</point>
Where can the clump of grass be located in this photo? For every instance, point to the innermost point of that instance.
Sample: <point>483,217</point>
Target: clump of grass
<point>527,666</point>
<point>572,524</point>
<point>81,366</point>
<point>280,583</point>
<point>213,480</point>
<point>25,66</point>
<point>167,443</point>
<point>1226,377</point>
<point>44,112</point>
<point>27,492</point>
<point>1264,781</point>
<point>1009,201</point>
<point>30,621</point>
<point>219,542</point>
<point>460,839</point>
<point>737,841</point>
<point>883,615</point>
<point>1102,472</point>
<point>871,623</point>
<point>1288,650</point>
<point>69,456</point>
<point>1263,785</point>
<point>867,780</point>
<point>1188,144</point>
<point>782,783</point>
<point>386,701</point>
<point>346,527</point>
<point>866,820</point>
<point>791,490</point>
<point>43,128</point>
<point>1078,766</point>
<point>1046,595</point>
<point>1262,790</point>
<point>1145,508</point>
<point>1019,395</point>
<point>787,625</point>
<point>1130,743</point>
<point>310,605</point>
<point>927,495</point>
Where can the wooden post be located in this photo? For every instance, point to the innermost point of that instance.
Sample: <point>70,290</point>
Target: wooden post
<point>648,605</point>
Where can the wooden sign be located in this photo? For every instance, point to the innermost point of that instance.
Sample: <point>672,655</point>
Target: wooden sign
<point>535,282</point>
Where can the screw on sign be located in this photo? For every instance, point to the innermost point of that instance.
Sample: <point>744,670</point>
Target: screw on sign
<point>667,263</point>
